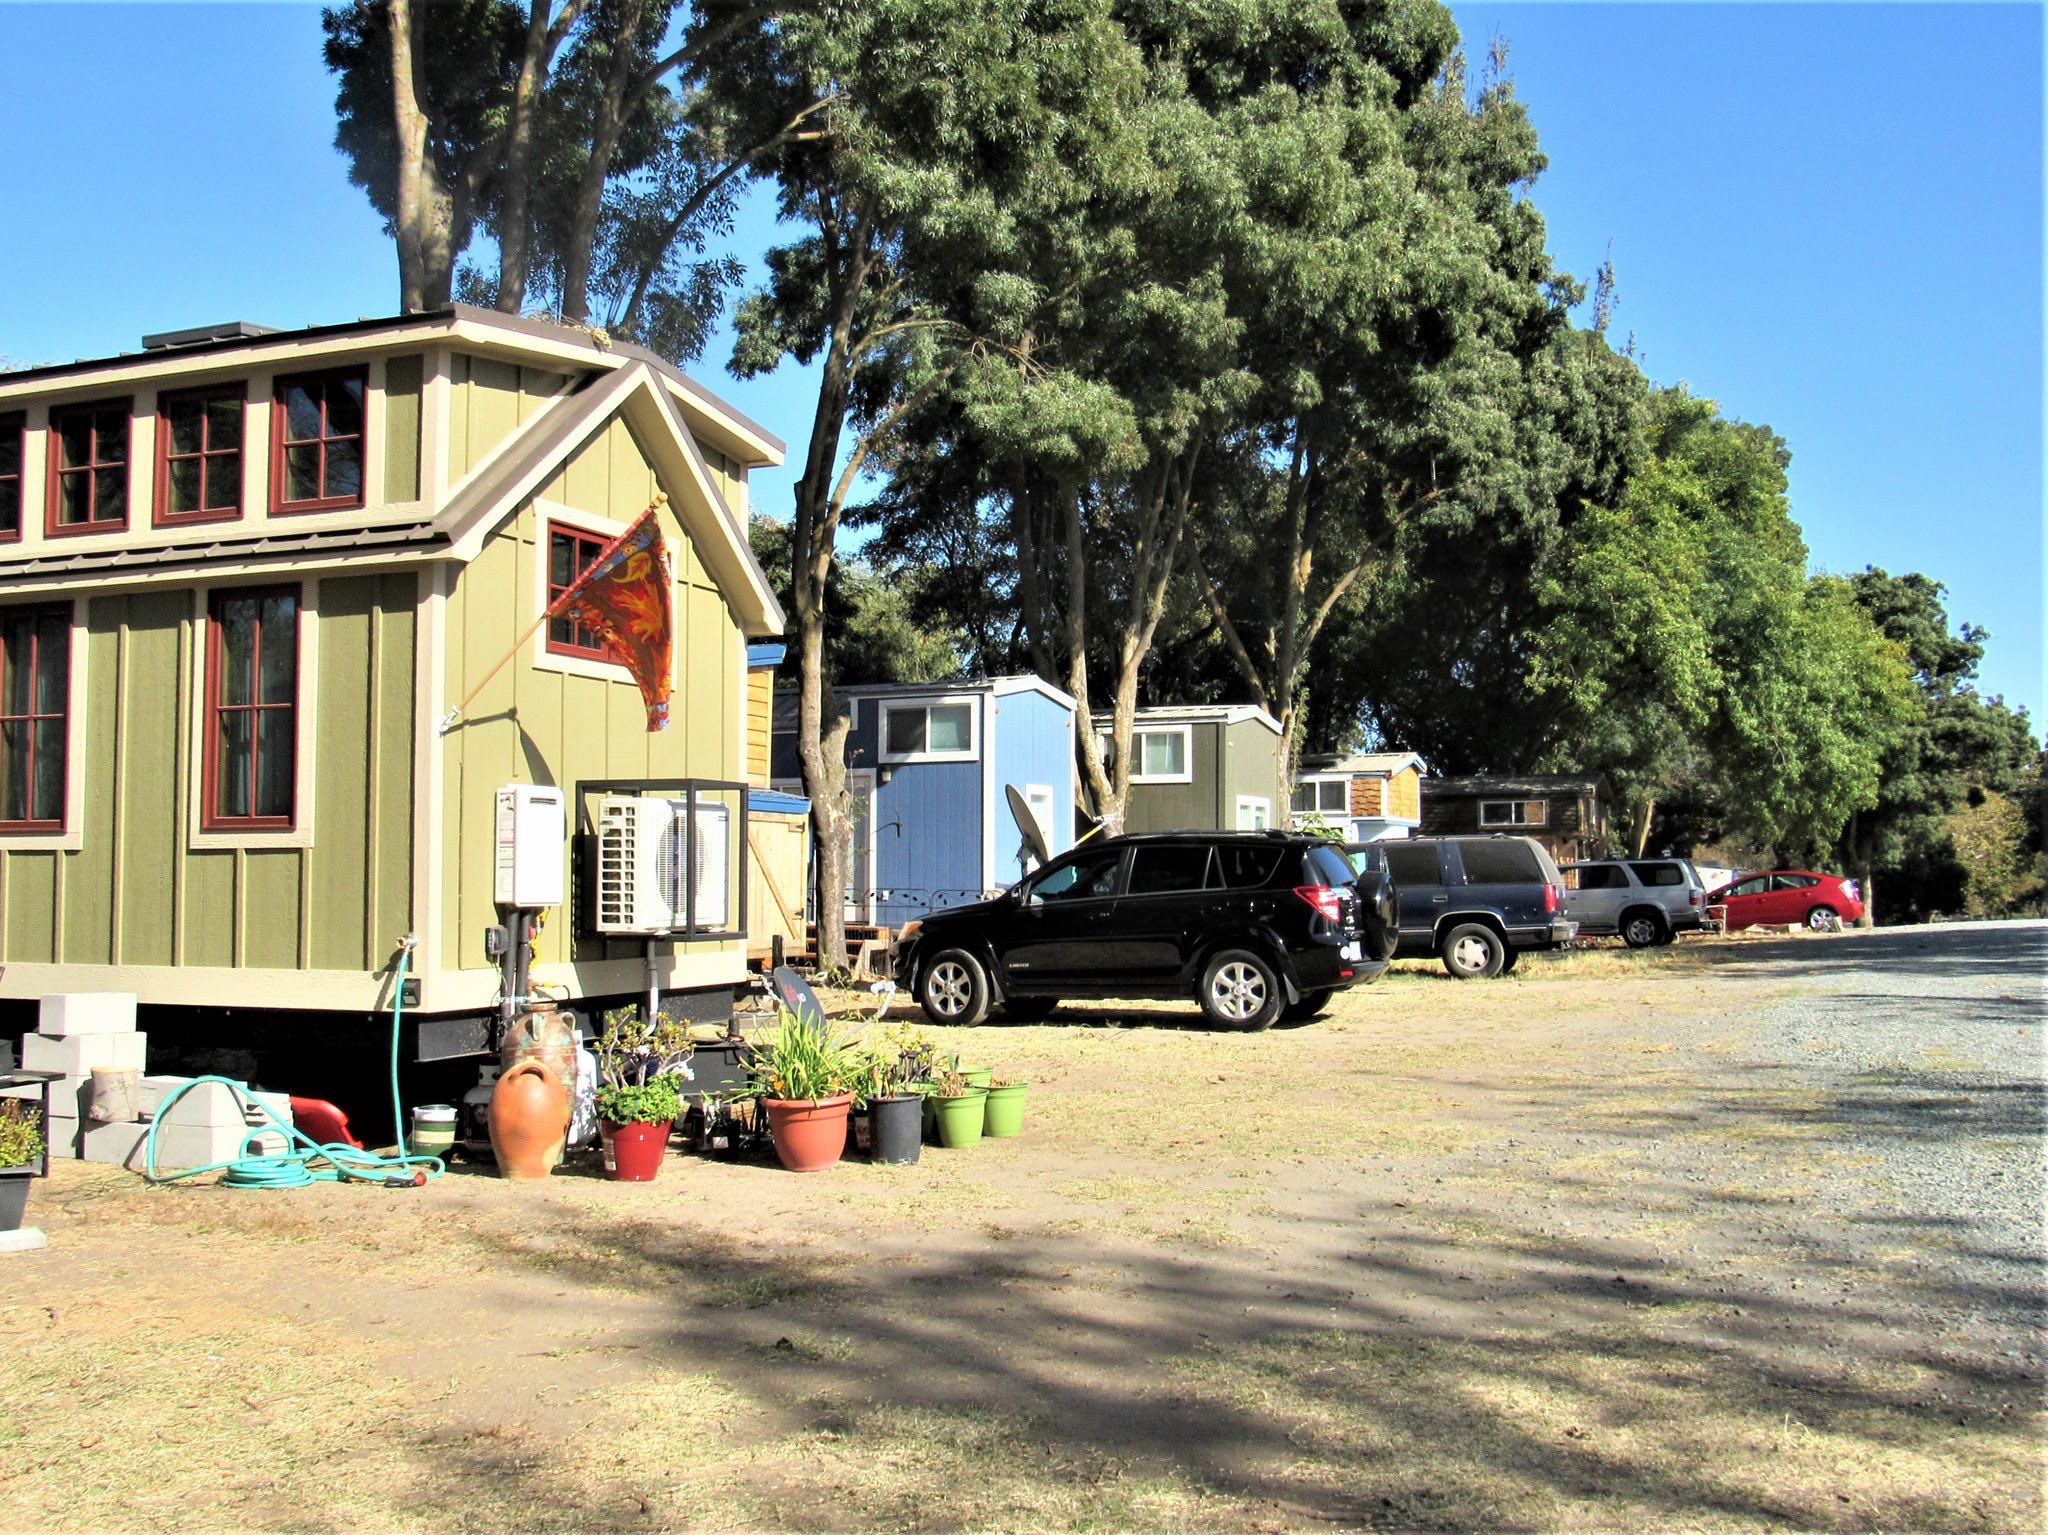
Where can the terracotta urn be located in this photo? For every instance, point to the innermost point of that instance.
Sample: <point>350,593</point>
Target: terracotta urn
<point>529,1120</point>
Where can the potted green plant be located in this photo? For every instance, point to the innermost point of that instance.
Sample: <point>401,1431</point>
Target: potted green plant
<point>21,1158</point>
<point>895,1107</point>
<point>640,1068</point>
<point>805,1075</point>
<point>959,1106</point>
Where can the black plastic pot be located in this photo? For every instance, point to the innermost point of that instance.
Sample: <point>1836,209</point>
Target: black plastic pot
<point>893,1127</point>
<point>14,1195</point>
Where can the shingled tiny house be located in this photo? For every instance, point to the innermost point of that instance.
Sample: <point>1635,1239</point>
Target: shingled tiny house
<point>1568,815</point>
<point>1365,797</point>
<point>245,577</point>
<point>1201,767</point>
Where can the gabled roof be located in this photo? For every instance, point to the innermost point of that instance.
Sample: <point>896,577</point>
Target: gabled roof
<point>533,454</point>
<point>1021,682</point>
<point>568,347</point>
<point>1191,714</point>
<point>1361,764</point>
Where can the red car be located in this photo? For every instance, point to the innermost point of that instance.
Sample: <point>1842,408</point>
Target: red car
<point>1783,896</point>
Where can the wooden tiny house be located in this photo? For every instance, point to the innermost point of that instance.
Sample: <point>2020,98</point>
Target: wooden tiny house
<point>1568,814</point>
<point>245,577</point>
<point>1365,797</point>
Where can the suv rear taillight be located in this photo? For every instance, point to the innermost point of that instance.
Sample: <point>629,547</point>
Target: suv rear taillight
<point>1328,901</point>
<point>1553,895</point>
<point>1696,898</point>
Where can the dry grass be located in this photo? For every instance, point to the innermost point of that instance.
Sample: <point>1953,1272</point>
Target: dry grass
<point>1386,1271</point>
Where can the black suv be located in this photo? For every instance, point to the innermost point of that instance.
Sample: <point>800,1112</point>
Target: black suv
<point>1475,902</point>
<point>1255,926</point>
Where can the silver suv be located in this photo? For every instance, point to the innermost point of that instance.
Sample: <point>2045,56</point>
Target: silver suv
<point>1645,900</point>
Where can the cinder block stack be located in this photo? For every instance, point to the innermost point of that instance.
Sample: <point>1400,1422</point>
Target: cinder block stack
<point>76,1031</point>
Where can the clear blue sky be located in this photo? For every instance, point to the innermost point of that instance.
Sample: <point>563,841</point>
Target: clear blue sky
<point>1828,218</point>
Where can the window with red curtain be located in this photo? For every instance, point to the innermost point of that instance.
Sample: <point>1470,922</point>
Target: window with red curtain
<point>252,709</point>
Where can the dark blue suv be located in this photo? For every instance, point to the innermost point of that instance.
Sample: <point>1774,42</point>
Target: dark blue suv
<point>1254,926</point>
<point>1476,903</point>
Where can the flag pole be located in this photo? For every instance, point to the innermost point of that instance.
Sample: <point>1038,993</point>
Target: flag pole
<point>454,716</point>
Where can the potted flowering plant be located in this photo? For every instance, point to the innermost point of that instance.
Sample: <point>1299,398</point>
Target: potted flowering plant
<point>806,1075</point>
<point>640,1068</point>
<point>21,1158</point>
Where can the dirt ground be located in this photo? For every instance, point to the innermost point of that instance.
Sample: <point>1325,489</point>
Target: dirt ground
<point>1453,1257</point>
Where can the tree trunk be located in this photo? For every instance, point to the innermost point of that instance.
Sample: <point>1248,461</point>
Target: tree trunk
<point>515,217</point>
<point>424,222</point>
<point>617,104</point>
<point>821,741</point>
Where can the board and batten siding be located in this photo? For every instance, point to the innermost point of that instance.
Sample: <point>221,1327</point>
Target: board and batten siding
<point>488,401</point>
<point>535,724</point>
<point>403,382</point>
<point>136,893</point>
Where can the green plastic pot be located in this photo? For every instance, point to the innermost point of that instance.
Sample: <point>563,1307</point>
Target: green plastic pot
<point>977,1076</point>
<point>1005,1112</point>
<point>960,1119</point>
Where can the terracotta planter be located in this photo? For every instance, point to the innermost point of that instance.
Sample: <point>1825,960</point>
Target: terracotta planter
<point>632,1153</point>
<point>810,1135</point>
<point>529,1120</point>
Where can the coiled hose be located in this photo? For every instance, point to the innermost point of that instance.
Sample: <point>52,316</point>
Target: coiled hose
<point>317,1162</point>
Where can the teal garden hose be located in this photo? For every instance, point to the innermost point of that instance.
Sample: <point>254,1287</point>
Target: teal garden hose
<point>315,1162</point>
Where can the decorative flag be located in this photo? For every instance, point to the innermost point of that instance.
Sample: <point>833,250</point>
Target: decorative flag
<point>623,596</point>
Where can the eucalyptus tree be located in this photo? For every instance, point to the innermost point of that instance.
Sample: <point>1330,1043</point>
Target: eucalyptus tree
<point>1419,382</point>
<point>940,122</point>
<point>576,132</point>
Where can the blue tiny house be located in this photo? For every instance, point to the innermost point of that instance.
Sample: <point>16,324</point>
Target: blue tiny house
<point>927,764</point>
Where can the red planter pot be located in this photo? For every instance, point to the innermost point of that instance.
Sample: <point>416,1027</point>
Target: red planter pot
<point>809,1135</point>
<point>632,1153</point>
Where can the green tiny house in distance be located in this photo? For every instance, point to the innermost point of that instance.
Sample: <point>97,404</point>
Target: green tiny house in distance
<point>1202,767</point>
<point>244,578</point>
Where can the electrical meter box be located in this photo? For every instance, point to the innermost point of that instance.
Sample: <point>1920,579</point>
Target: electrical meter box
<point>532,841</point>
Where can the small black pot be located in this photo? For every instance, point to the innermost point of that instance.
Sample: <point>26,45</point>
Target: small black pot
<point>14,1197</point>
<point>893,1126</point>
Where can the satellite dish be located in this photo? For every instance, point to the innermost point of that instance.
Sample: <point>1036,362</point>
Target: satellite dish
<point>794,993</point>
<point>1027,825</point>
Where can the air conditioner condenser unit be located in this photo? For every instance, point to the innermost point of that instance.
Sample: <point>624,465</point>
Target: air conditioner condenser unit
<point>644,856</point>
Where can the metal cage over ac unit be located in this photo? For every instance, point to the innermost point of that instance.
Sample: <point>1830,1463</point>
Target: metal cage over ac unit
<point>663,865</point>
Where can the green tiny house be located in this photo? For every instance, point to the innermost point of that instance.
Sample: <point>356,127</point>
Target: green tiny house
<point>246,576</point>
<point>1202,767</point>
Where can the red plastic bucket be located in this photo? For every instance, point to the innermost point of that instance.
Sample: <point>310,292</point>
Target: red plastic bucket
<point>632,1153</point>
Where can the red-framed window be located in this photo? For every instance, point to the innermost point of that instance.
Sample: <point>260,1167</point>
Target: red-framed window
<point>252,709</point>
<point>88,468</point>
<point>316,439</point>
<point>13,438</point>
<point>35,706</point>
<point>199,456</point>
<point>571,552</point>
